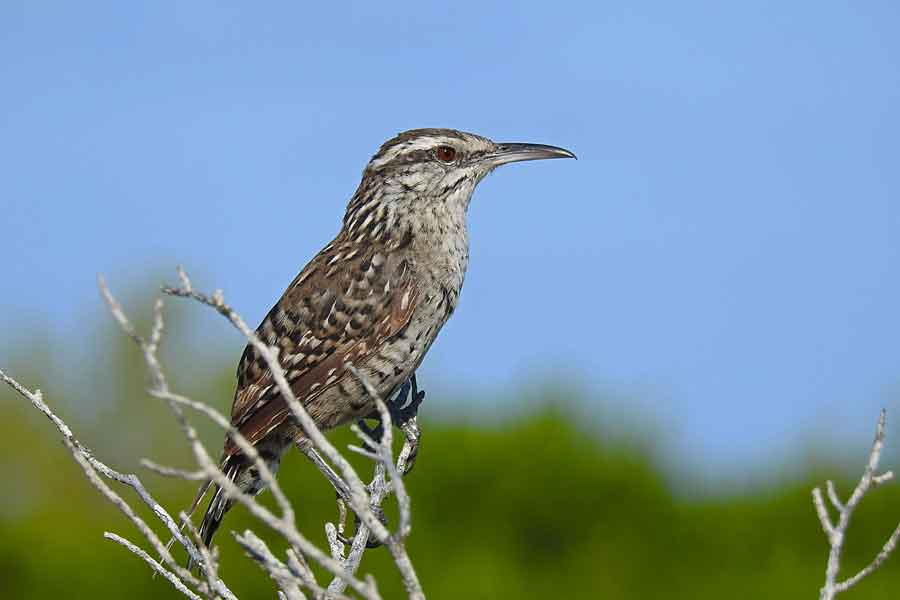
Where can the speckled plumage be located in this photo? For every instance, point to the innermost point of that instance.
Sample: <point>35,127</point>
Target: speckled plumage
<point>375,297</point>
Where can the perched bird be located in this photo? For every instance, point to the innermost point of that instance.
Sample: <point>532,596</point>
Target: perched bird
<point>375,297</point>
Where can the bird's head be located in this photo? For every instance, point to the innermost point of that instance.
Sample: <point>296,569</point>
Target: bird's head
<point>424,168</point>
<point>436,161</point>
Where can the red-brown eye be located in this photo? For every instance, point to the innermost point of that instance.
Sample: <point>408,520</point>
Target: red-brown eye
<point>446,154</point>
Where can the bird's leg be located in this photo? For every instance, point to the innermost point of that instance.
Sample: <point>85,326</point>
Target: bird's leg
<point>403,408</point>
<point>405,405</point>
<point>410,428</point>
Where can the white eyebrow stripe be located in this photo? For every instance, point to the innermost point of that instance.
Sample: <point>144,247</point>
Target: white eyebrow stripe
<point>421,143</point>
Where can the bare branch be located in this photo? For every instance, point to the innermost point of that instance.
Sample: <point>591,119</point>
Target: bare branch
<point>298,566</point>
<point>210,567</point>
<point>93,468</point>
<point>883,478</point>
<point>288,584</point>
<point>172,471</point>
<point>836,533</point>
<point>335,544</point>
<point>385,453</point>
<point>822,512</point>
<point>294,574</point>
<point>882,556</point>
<point>173,579</point>
<point>833,496</point>
<point>160,389</point>
<point>340,486</point>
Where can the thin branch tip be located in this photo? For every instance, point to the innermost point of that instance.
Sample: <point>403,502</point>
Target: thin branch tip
<point>837,532</point>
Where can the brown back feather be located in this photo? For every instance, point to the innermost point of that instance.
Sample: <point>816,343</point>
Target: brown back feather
<point>347,302</point>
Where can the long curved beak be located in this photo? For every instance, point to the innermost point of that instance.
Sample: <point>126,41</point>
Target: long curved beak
<point>515,152</point>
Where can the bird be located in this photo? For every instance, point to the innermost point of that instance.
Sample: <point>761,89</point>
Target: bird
<point>372,300</point>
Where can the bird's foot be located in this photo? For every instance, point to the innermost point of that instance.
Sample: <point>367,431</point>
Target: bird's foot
<point>405,405</point>
<point>402,408</point>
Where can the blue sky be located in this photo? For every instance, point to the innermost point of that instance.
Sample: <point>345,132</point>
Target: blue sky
<point>724,254</point>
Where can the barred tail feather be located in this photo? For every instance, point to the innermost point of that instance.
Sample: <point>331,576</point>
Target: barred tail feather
<point>218,506</point>
<point>189,513</point>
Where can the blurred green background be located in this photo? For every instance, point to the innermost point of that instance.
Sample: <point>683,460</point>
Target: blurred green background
<point>547,502</point>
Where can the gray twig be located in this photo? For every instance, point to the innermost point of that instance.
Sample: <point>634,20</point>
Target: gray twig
<point>158,568</point>
<point>836,532</point>
<point>294,574</point>
<point>96,471</point>
<point>288,584</point>
<point>364,500</point>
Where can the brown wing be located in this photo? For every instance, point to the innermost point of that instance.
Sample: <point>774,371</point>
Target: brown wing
<point>341,308</point>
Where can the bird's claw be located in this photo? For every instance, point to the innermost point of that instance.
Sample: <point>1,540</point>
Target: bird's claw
<point>402,408</point>
<point>373,433</point>
<point>405,405</point>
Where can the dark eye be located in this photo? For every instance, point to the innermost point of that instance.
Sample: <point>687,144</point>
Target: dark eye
<point>446,154</point>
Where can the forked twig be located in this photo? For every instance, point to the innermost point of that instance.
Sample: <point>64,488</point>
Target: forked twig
<point>836,532</point>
